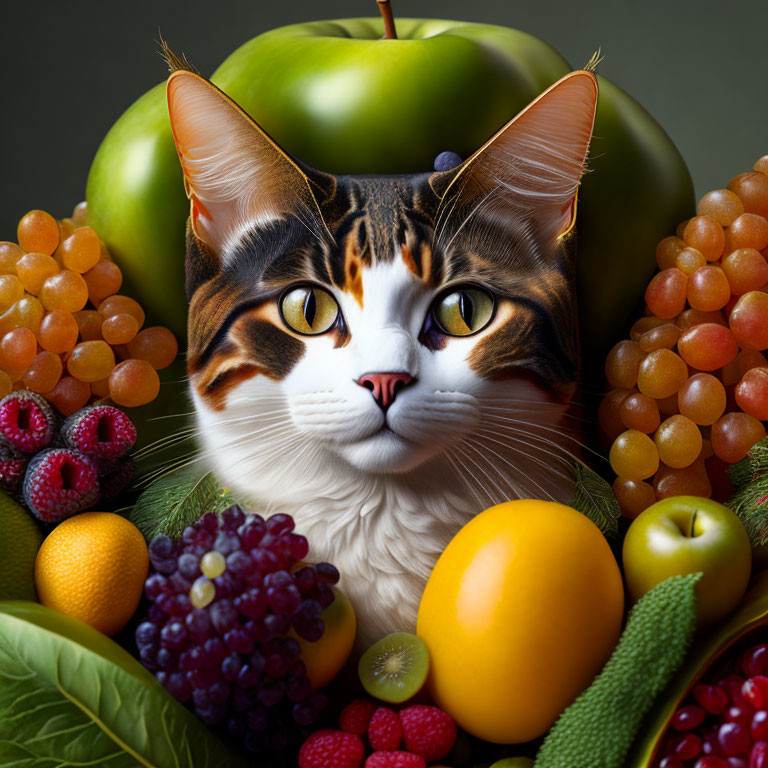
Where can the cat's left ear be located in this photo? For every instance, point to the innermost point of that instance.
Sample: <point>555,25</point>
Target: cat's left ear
<point>235,174</point>
<point>530,169</point>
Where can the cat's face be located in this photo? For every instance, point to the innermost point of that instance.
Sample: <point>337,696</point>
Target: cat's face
<point>386,321</point>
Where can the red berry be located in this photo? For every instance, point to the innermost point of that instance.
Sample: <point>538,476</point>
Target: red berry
<point>733,738</point>
<point>385,731</point>
<point>712,698</point>
<point>27,421</point>
<point>332,749</point>
<point>101,430</point>
<point>732,687</point>
<point>740,713</point>
<point>354,718</point>
<point>688,718</point>
<point>688,746</point>
<point>755,661</point>
<point>758,728</point>
<point>758,756</point>
<point>755,691</point>
<point>395,760</point>
<point>428,731</point>
<point>712,761</point>
<point>59,483</point>
<point>13,465</point>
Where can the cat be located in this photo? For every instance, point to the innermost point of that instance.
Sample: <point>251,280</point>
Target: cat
<point>383,357</point>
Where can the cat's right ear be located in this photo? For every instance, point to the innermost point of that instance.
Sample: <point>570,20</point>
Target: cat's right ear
<point>237,178</point>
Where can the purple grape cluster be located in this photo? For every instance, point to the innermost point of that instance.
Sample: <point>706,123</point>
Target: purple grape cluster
<point>223,599</point>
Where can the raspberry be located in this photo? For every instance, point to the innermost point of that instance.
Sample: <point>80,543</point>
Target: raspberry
<point>354,718</point>
<point>114,476</point>
<point>13,465</point>
<point>60,482</point>
<point>100,430</point>
<point>27,421</point>
<point>395,760</point>
<point>428,731</point>
<point>332,749</point>
<point>385,731</point>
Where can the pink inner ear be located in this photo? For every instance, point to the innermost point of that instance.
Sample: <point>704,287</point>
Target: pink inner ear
<point>236,177</point>
<point>551,140</point>
<point>534,164</point>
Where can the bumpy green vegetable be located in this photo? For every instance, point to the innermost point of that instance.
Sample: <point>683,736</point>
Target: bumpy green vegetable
<point>597,730</point>
<point>750,502</point>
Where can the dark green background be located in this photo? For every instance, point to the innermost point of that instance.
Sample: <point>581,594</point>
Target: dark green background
<point>69,69</point>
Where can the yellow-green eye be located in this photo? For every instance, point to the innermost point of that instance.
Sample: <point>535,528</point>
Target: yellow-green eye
<point>309,310</point>
<point>464,311</point>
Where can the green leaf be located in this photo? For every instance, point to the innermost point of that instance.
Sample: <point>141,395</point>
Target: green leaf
<point>750,502</point>
<point>594,498</point>
<point>597,730</point>
<point>70,696</point>
<point>176,500</point>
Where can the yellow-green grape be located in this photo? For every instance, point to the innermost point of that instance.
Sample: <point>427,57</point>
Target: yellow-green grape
<point>634,456</point>
<point>309,310</point>
<point>202,592</point>
<point>213,564</point>
<point>678,441</point>
<point>464,312</point>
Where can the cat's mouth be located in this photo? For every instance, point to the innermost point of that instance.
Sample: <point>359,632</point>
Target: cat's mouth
<point>386,430</point>
<point>383,451</point>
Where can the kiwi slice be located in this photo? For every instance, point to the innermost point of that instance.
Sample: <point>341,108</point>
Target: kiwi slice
<point>395,668</point>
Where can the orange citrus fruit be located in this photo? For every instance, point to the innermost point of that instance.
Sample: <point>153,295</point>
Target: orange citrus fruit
<point>93,567</point>
<point>326,657</point>
<point>521,611</point>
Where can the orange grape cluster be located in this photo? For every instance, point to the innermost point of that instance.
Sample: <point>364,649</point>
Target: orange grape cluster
<point>65,332</point>
<point>689,390</point>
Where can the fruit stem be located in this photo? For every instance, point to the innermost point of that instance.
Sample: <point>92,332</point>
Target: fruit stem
<point>693,521</point>
<point>390,33</point>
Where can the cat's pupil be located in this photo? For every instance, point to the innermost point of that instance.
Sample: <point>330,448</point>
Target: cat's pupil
<point>466,308</point>
<point>310,308</point>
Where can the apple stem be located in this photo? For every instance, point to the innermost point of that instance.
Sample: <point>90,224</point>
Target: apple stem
<point>693,521</point>
<point>390,33</point>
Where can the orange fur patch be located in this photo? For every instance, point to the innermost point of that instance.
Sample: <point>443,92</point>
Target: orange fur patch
<point>216,388</point>
<point>408,259</point>
<point>426,262</point>
<point>353,268</point>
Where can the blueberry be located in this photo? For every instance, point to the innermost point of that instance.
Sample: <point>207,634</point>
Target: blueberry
<point>446,160</point>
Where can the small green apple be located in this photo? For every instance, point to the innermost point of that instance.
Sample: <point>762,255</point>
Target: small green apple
<point>687,534</point>
<point>514,762</point>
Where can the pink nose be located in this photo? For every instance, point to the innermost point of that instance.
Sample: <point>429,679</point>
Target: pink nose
<point>385,386</point>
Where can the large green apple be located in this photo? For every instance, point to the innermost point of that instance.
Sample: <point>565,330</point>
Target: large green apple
<point>688,534</point>
<point>344,100</point>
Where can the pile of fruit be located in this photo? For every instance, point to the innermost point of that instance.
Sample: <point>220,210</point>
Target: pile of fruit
<point>62,468</point>
<point>224,599</point>
<point>724,722</point>
<point>690,385</point>
<point>227,636</point>
<point>65,332</point>
<point>426,733</point>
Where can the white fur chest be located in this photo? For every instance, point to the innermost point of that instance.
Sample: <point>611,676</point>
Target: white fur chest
<point>384,540</point>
